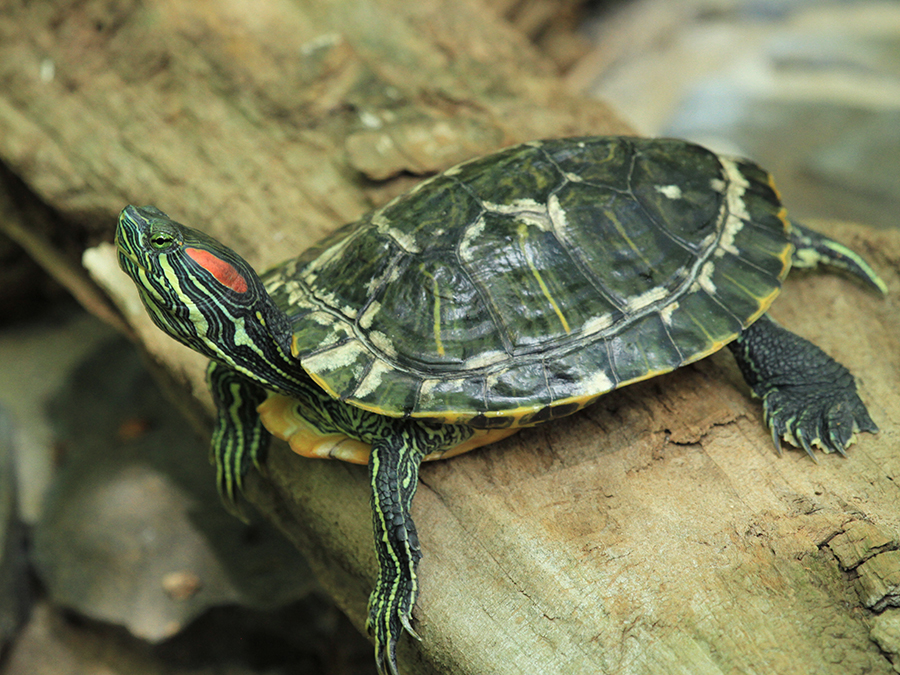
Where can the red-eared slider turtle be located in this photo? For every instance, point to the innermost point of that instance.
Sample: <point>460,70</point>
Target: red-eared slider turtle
<point>509,290</point>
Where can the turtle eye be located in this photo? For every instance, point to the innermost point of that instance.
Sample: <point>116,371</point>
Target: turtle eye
<point>160,240</point>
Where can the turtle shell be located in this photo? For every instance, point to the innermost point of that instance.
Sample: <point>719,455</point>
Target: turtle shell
<point>520,286</point>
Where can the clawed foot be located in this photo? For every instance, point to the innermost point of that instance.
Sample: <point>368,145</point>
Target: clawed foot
<point>390,613</point>
<point>808,415</point>
<point>808,397</point>
<point>394,470</point>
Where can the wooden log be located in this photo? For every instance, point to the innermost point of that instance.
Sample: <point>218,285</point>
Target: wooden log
<point>657,531</point>
<point>267,122</point>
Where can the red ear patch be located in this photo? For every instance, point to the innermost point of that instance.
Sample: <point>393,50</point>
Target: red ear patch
<point>223,271</point>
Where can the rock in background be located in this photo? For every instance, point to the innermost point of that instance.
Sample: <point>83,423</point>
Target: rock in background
<point>14,586</point>
<point>810,90</point>
<point>131,534</point>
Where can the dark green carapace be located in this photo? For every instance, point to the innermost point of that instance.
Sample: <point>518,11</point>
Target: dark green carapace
<point>510,290</point>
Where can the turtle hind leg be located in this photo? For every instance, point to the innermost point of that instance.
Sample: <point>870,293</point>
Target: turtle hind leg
<point>239,440</point>
<point>808,397</point>
<point>812,248</point>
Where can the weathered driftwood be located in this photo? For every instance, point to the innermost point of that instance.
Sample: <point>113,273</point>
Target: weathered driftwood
<point>655,532</point>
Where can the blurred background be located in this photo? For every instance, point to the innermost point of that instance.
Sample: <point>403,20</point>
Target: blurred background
<point>91,584</point>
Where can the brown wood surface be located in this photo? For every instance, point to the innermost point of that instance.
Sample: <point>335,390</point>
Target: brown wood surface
<point>656,532</point>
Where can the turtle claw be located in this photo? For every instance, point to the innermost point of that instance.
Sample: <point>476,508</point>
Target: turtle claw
<point>800,437</point>
<point>390,613</point>
<point>407,626</point>
<point>384,631</point>
<point>776,436</point>
<point>808,416</point>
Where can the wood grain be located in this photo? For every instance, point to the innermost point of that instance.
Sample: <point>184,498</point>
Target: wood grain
<point>656,532</point>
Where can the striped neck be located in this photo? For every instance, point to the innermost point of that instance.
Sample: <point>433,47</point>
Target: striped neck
<point>207,297</point>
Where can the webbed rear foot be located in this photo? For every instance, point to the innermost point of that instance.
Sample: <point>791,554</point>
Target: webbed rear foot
<point>821,414</point>
<point>809,399</point>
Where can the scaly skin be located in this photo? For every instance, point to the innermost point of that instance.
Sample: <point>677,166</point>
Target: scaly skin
<point>238,378</point>
<point>398,446</point>
<point>808,397</point>
<point>204,295</point>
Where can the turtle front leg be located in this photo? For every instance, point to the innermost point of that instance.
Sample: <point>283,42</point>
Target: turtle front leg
<point>808,397</point>
<point>239,440</point>
<point>394,463</point>
<point>394,474</point>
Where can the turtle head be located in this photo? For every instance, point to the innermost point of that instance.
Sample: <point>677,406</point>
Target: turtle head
<point>199,291</point>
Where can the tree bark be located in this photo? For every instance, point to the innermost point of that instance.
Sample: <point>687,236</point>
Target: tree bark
<point>657,531</point>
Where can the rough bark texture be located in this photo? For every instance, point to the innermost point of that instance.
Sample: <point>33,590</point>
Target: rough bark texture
<point>657,531</point>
